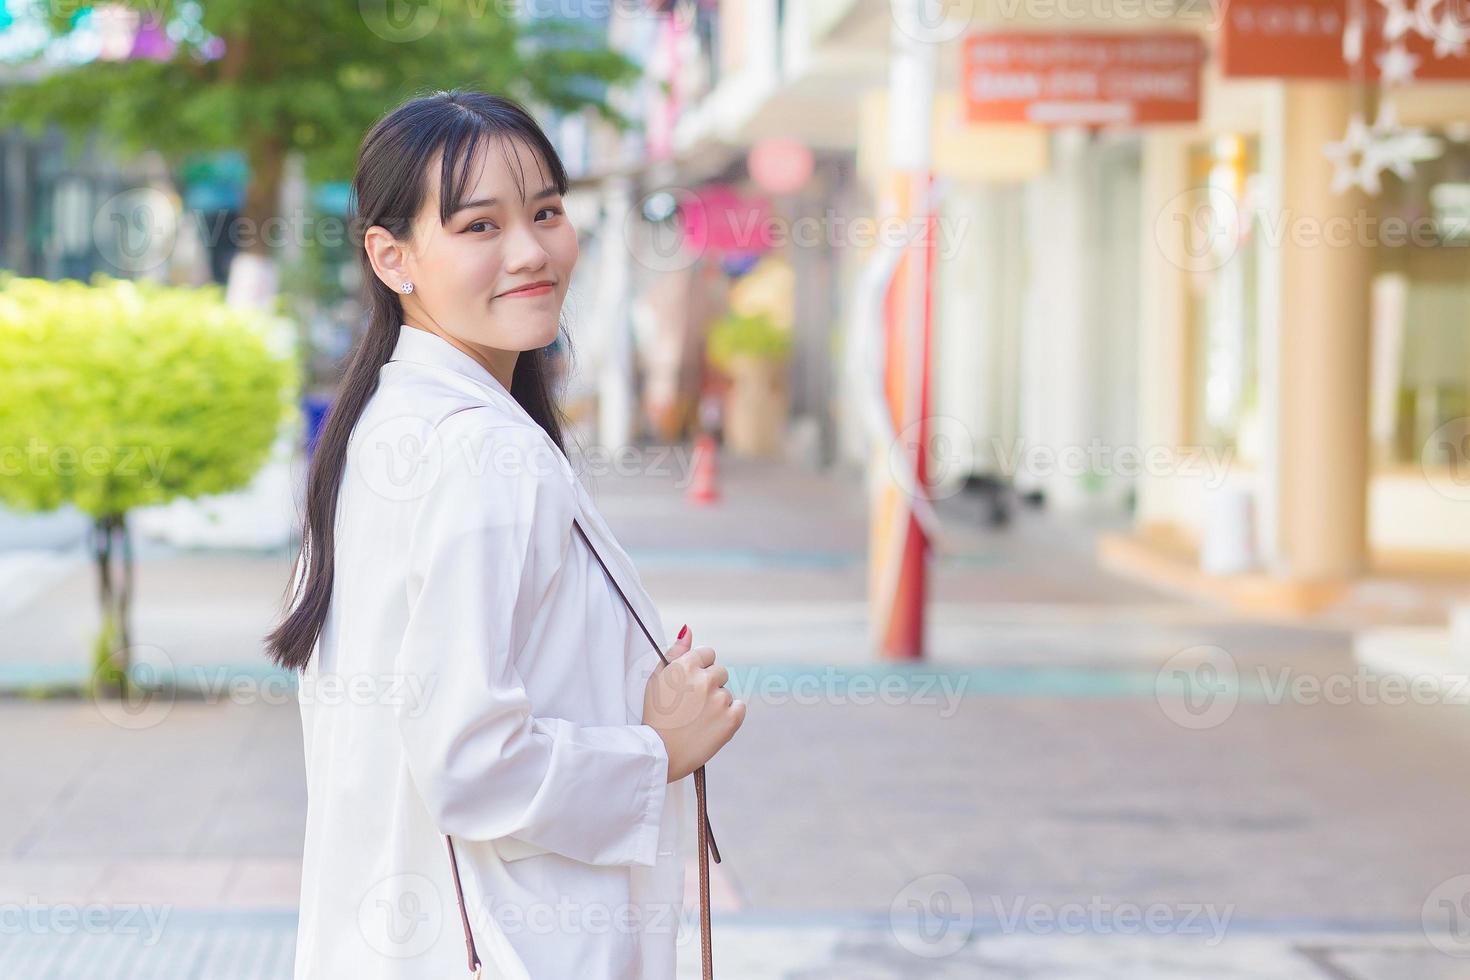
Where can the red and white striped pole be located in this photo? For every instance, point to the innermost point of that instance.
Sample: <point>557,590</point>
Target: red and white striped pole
<point>899,546</point>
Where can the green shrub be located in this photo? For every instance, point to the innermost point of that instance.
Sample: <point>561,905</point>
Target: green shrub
<point>756,336</point>
<point>120,394</point>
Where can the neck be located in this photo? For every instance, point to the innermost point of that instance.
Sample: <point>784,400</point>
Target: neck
<point>500,363</point>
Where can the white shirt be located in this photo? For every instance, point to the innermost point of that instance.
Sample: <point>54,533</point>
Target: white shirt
<point>478,676</point>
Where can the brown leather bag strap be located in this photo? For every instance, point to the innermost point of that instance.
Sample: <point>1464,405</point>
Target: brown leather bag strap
<point>705,834</point>
<point>699,773</point>
<point>707,848</point>
<point>464,915</point>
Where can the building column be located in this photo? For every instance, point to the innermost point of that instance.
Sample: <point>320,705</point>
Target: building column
<point>1059,355</point>
<point>1320,476</point>
<point>1163,321</point>
<point>617,400</point>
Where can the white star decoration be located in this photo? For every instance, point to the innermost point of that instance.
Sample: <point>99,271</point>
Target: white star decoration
<point>1394,147</point>
<point>1399,20</point>
<point>1353,158</point>
<point>1365,151</point>
<point>1396,66</point>
<point>1450,35</point>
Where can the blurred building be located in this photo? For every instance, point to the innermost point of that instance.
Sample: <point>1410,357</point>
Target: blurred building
<point>1181,324</point>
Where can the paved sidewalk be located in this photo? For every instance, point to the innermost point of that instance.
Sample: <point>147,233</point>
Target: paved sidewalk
<point>1040,799</point>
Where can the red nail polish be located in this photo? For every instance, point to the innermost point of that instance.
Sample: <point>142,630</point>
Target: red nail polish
<point>682,630</point>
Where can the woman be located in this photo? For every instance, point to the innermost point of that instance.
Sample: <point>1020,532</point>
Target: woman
<point>467,666</point>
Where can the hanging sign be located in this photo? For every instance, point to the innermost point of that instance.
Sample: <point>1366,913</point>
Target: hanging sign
<point>1403,40</point>
<point>1082,79</point>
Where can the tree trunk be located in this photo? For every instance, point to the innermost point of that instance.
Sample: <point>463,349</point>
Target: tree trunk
<point>267,158</point>
<point>112,550</point>
<point>253,277</point>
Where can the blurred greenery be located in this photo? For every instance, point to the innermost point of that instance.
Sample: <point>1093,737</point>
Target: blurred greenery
<point>756,335</point>
<point>145,392</point>
<point>274,76</point>
<point>120,394</point>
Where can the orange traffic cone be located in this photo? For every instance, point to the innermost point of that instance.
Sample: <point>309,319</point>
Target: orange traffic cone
<point>704,489</point>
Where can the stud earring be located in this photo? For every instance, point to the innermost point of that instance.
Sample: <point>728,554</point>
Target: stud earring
<point>407,286</point>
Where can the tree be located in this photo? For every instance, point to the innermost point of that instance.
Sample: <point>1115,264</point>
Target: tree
<point>121,394</point>
<point>270,77</point>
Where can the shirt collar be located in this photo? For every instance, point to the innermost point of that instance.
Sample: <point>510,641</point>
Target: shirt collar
<point>423,347</point>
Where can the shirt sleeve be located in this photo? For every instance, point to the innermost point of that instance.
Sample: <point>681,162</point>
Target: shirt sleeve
<point>485,765</point>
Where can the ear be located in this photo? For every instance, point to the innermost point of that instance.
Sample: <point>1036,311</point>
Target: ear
<point>390,258</point>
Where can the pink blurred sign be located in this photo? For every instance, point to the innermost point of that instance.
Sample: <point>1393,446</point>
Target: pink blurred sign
<point>779,166</point>
<point>718,218</point>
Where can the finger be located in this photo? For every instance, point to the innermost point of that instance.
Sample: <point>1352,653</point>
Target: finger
<point>681,644</point>
<point>719,675</point>
<point>702,656</point>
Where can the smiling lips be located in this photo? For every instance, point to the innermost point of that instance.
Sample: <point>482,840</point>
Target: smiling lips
<point>530,289</point>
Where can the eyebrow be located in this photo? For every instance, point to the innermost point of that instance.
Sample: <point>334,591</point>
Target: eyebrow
<point>490,202</point>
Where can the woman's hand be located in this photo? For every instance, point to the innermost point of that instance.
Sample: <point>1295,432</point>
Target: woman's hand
<point>687,703</point>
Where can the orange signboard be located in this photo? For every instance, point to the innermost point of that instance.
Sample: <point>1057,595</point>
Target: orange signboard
<point>1082,79</point>
<point>1303,39</point>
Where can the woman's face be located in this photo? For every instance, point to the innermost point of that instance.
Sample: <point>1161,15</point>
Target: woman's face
<point>492,280</point>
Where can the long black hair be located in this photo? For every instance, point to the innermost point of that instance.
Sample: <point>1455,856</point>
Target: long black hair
<point>390,186</point>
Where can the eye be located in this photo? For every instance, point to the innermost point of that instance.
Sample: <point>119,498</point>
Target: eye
<point>549,210</point>
<point>479,225</point>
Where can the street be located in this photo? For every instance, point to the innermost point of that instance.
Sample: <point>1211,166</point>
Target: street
<point>1041,798</point>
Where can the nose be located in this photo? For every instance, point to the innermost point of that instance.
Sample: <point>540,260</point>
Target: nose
<point>523,250</point>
